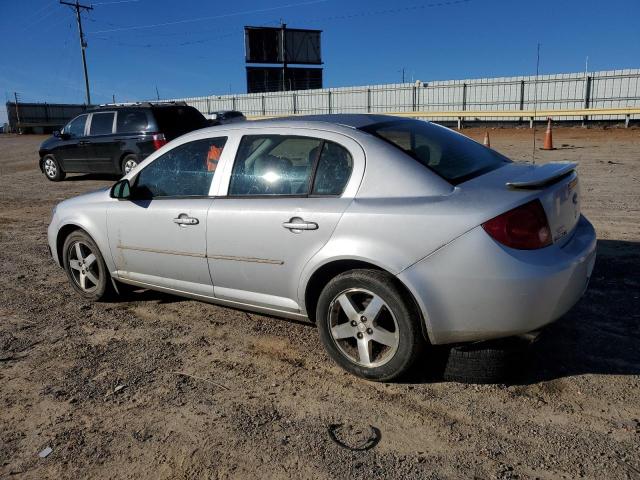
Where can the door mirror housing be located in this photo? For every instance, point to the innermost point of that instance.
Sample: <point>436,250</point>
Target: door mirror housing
<point>56,133</point>
<point>121,190</point>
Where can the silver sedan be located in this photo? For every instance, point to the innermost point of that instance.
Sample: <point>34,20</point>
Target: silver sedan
<point>390,234</point>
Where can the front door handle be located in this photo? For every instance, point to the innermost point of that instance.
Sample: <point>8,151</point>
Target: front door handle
<point>183,220</point>
<point>297,225</point>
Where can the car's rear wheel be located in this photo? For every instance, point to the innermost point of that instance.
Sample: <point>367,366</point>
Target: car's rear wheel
<point>129,162</point>
<point>85,267</point>
<point>368,325</point>
<point>52,169</point>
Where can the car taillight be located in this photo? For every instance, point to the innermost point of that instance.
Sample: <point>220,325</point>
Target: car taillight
<point>159,140</point>
<point>525,227</point>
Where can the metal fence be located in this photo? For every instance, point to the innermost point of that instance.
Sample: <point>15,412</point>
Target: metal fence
<point>41,117</point>
<point>567,91</point>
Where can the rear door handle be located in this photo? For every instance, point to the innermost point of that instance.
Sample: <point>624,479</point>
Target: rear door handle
<point>297,225</point>
<point>183,220</point>
<point>83,142</point>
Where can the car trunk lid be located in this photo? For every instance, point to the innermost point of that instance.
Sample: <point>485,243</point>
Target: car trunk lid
<point>556,185</point>
<point>559,194</point>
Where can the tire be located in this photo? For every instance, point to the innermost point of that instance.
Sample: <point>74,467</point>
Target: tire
<point>96,284</point>
<point>486,362</point>
<point>52,169</point>
<point>129,162</point>
<point>395,323</point>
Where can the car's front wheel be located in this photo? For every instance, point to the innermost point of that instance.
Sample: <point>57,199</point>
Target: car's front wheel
<point>51,168</point>
<point>85,267</point>
<point>368,325</point>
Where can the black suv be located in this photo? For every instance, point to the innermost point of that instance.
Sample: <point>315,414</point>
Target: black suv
<point>115,138</point>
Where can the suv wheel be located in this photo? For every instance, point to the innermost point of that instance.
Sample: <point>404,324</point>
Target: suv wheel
<point>368,326</point>
<point>52,169</point>
<point>85,267</point>
<point>129,162</point>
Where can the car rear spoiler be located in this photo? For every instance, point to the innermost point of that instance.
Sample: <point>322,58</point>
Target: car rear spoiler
<point>543,175</point>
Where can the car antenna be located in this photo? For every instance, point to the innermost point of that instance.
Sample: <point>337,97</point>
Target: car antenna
<point>535,104</point>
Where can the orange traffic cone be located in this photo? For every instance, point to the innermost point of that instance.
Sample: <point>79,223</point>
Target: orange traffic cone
<point>548,137</point>
<point>487,142</point>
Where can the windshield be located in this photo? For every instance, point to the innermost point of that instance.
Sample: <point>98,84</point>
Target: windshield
<point>454,157</point>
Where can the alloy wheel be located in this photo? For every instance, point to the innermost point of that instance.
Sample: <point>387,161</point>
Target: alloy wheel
<point>129,165</point>
<point>50,168</point>
<point>363,327</point>
<point>84,267</point>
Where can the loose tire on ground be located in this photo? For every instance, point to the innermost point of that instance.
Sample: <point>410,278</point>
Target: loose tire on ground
<point>498,361</point>
<point>85,267</point>
<point>52,169</point>
<point>380,324</point>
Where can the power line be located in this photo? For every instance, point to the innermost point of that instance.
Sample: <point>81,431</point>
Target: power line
<point>46,6</point>
<point>116,41</point>
<point>43,15</point>
<point>164,34</point>
<point>214,17</point>
<point>390,11</point>
<point>386,11</point>
<point>83,44</point>
<point>118,1</point>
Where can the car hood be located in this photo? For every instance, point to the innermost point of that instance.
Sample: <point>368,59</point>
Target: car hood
<point>95,196</point>
<point>48,143</point>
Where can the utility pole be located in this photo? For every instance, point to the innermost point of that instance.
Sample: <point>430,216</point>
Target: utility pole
<point>15,95</point>
<point>283,47</point>
<point>402,71</point>
<point>83,44</point>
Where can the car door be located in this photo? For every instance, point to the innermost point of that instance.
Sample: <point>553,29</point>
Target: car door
<point>72,152</point>
<point>102,144</point>
<point>158,237</point>
<point>284,197</point>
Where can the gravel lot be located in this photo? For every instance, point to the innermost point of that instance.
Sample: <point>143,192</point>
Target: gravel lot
<point>161,387</point>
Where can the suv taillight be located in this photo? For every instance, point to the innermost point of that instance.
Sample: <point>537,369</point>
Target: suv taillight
<point>159,140</point>
<point>525,227</point>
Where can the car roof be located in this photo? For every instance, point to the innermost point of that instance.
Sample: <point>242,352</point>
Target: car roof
<point>135,105</point>
<point>345,123</point>
<point>353,120</point>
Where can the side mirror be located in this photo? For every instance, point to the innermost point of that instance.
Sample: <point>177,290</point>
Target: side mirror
<point>121,190</point>
<point>56,133</point>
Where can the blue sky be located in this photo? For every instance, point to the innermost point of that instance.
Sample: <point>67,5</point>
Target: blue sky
<point>191,47</point>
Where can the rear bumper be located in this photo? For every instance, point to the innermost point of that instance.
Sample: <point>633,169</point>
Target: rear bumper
<point>476,289</point>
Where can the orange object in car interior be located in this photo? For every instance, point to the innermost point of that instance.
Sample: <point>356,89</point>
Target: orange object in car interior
<point>212,158</point>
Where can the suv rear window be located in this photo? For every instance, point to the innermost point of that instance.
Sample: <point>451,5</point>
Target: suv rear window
<point>131,121</point>
<point>454,157</point>
<point>176,121</point>
<point>101,123</point>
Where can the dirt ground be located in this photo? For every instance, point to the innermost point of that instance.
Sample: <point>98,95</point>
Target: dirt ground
<point>104,385</point>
